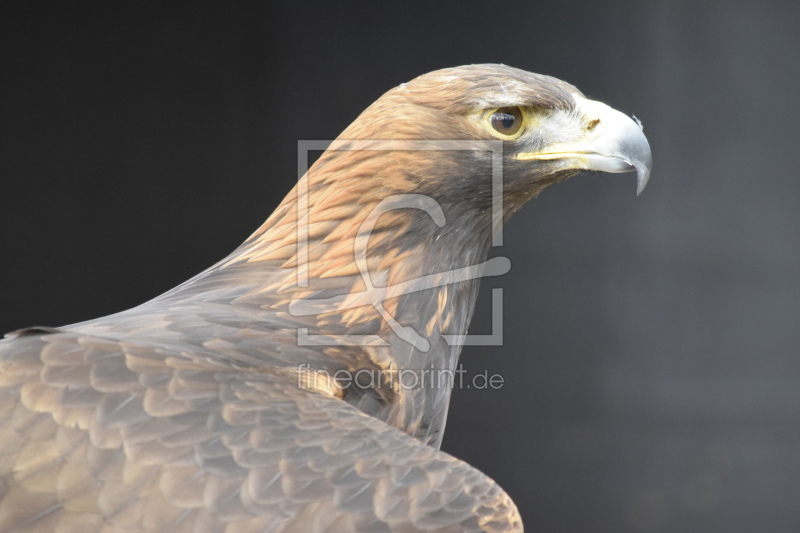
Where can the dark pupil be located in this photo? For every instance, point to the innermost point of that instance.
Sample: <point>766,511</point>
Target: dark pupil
<point>506,121</point>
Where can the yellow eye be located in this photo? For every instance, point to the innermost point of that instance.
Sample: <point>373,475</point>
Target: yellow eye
<point>506,120</point>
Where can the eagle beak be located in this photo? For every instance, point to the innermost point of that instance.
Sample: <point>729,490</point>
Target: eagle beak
<point>609,142</point>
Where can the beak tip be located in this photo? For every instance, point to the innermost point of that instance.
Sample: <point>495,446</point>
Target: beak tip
<point>642,177</point>
<point>643,168</point>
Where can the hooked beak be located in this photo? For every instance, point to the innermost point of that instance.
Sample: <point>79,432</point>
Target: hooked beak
<point>610,142</point>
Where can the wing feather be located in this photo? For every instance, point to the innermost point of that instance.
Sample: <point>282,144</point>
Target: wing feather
<point>109,435</point>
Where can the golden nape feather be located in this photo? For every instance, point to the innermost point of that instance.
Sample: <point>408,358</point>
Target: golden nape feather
<point>266,394</point>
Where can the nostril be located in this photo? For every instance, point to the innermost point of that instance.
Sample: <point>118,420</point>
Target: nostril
<point>592,124</point>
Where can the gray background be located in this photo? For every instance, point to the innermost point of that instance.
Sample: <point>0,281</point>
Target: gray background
<point>652,350</point>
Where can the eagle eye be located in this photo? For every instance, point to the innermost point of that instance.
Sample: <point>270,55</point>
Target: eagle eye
<point>506,120</point>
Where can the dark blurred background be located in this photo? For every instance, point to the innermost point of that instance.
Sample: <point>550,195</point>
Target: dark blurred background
<point>652,349</point>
